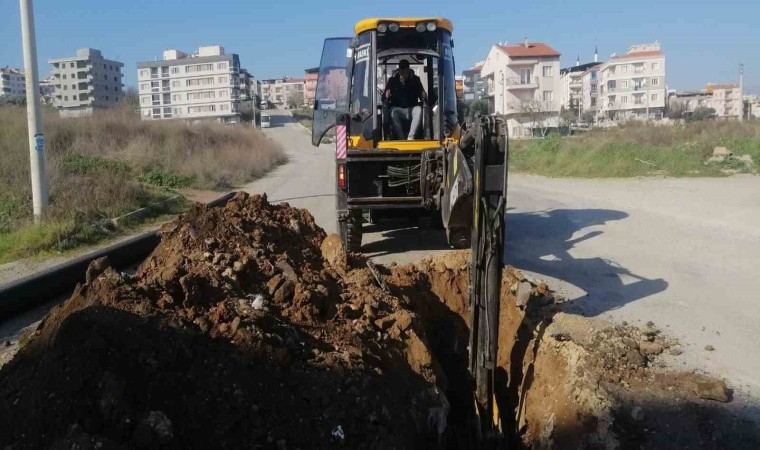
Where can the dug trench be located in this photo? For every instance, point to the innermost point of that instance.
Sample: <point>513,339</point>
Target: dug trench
<point>248,327</point>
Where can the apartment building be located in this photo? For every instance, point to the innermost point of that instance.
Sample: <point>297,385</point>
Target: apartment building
<point>310,77</point>
<point>522,83</point>
<point>473,86</point>
<point>572,82</point>
<point>752,106</point>
<point>632,86</point>
<point>725,99</point>
<point>284,92</point>
<point>12,82</point>
<point>86,82</point>
<point>199,86</point>
<point>590,90</point>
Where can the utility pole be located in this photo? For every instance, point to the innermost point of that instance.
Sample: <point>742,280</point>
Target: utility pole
<point>741,91</point>
<point>33,112</point>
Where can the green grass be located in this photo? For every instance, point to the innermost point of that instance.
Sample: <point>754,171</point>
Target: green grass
<point>641,150</point>
<point>303,116</point>
<point>110,164</point>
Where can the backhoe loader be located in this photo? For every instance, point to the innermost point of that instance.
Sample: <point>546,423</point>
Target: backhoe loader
<point>443,167</point>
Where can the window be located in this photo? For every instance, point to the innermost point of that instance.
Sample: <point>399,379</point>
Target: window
<point>224,94</point>
<point>65,87</point>
<point>156,112</point>
<point>223,80</point>
<point>624,99</point>
<point>623,69</point>
<point>154,85</point>
<point>654,97</point>
<point>176,111</point>
<point>548,71</point>
<point>548,96</point>
<point>154,72</point>
<point>525,76</point>
<point>167,99</point>
<point>115,79</point>
<point>638,99</point>
<point>66,98</point>
<point>175,83</point>
<point>623,83</point>
<point>638,68</point>
<point>655,66</point>
<point>654,82</point>
<point>106,97</point>
<point>144,73</point>
<point>224,107</point>
<point>221,65</point>
<point>144,100</point>
<point>200,81</point>
<point>144,86</point>
<point>200,95</point>
<point>198,68</point>
<point>146,113</point>
<point>156,99</point>
<point>71,65</point>
<point>176,97</point>
<point>64,76</point>
<point>201,109</point>
<point>175,69</point>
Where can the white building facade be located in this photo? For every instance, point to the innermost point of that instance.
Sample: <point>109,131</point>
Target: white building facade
<point>632,86</point>
<point>12,82</point>
<point>86,82</point>
<point>199,86</point>
<point>522,83</point>
<point>282,91</point>
<point>725,99</point>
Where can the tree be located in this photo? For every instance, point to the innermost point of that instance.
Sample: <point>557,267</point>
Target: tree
<point>701,113</point>
<point>538,114</point>
<point>589,117</point>
<point>676,110</point>
<point>295,99</point>
<point>15,100</point>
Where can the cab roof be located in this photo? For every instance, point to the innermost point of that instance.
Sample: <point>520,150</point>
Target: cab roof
<point>371,24</point>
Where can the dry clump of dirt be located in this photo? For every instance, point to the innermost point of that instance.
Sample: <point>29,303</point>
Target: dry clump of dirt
<point>567,381</point>
<point>235,333</point>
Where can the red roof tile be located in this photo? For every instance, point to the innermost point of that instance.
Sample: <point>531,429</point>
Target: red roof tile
<point>533,49</point>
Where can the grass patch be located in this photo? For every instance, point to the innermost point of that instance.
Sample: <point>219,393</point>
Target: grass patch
<point>303,116</point>
<point>642,150</point>
<point>110,164</point>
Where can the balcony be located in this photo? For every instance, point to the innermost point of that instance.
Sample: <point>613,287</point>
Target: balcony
<point>522,83</point>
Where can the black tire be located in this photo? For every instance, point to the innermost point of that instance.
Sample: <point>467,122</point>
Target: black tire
<point>351,231</point>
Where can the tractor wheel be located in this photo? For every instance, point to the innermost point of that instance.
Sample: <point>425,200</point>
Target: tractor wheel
<point>351,231</point>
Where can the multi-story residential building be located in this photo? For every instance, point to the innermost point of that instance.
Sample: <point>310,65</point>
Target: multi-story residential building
<point>725,99</point>
<point>523,84</point>
<point>571,80</point>
<point>12,82</point>
<point>752,106</point>
<point>633,85</point>
<point>284,92</point>
<point>311,75</point>
<point>204,85</point>
<point>474,88</point>
<point>86,82</point>
<point>590,90</point>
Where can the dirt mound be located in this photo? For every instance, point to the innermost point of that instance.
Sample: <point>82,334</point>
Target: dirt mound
<point>248,327</point>
<point>234,333</point>
<point>573,382</point>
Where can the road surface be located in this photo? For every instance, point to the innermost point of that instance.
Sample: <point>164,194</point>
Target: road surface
<point>682,253</point>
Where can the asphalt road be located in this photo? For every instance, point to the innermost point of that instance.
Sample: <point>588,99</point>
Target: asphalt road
<point>682,253</point>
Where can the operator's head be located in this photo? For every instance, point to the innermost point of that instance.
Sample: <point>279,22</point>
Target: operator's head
<point>403,69</point>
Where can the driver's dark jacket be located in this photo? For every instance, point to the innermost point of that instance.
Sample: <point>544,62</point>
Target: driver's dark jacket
<point>404,95</point>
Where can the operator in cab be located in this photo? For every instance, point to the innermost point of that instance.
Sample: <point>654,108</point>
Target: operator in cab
<point>404,94</point>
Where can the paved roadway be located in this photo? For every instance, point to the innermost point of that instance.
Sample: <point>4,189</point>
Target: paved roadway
<point>682,253</point>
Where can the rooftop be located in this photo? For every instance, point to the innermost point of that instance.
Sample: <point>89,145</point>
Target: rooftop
<point>528,49</point>
<point>579,68</point>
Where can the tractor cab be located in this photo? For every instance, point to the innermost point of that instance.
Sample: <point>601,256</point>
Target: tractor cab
<point>355,74</point>
<point>388,97</point>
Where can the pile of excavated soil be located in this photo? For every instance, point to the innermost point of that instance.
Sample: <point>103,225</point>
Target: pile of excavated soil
<point>247,327</point>
<point>234,333</point>
<point>572,382</point>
